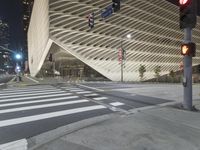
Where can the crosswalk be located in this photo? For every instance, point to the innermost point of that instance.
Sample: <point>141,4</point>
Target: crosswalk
<point>94,96</point>
<point>35,109</point>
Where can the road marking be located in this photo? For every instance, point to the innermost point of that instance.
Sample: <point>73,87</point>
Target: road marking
<point>91,94</point>
<point>39,93</point>
<point>41,106</point>
<point>48,115</point>
<point>117,104</point>
<point>26,92</point>
<point>38,101</point>
<point>84,92</point>
<point>34,97</point>
<point>32,79</point>
<point>91,87</point>
<point>78,90</point>
<point>100,98</point>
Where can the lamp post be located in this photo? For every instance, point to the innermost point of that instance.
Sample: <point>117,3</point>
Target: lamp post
<point>128,36</point>
<point>18,58</point>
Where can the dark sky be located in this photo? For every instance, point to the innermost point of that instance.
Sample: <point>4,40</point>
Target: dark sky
<point>11,12</point>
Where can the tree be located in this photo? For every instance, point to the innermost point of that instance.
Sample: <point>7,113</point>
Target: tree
<point>4,34</point>
<point>157,71</point>
<point>172,75</point>
<point>142,70</point>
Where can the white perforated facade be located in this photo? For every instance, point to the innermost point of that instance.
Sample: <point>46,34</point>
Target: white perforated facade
<point>153,24</point>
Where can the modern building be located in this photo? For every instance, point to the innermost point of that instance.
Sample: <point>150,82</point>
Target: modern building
<point>27,9</point>
<point>5,56</point>
<point>27,6</point>
<point>59,38</point>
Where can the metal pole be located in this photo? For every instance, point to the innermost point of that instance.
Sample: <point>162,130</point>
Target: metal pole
<point>122,68</point>
<point>122,61</point>
<point>187,102</point>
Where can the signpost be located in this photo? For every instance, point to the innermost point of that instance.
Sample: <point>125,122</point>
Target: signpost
<point>187,22</point>
<point>107,12</point>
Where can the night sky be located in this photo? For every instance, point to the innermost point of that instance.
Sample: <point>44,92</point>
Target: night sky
<point>11,11</point>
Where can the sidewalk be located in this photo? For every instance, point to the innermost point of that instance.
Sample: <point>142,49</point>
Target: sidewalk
<point>25,80</point>
<point>162,128</point>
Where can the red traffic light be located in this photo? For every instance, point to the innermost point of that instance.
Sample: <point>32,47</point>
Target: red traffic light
<point>183,2</point>
<point>188,49</point>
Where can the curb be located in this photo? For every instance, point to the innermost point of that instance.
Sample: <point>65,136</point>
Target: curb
<point>3,85</point>
<point>136,110</point>
<point>16,145</point>
<point>44,138</point>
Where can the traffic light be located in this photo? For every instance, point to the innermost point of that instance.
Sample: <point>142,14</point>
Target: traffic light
<point>188,49</point>
<point>50,57</point>
<point>116,5</point>
<point>187,13</point>
<point>91,20</point>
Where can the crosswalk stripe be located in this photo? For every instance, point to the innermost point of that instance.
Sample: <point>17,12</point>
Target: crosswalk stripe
<point>34,97</point>
<point>117,104</point>
<point>91,94</point>
<point>78,90</point>
<point>38,101</point>
<point>48,115</point>
<point>24,90</point>
<point>100,98</point>
<point>39,93</point>
<point>29,87</point>
<point>84,92</point>
<point>17,93</point>
<point>42,106</point>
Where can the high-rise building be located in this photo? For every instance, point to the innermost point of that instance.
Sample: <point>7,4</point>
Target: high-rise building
<point>27,9</point>
<point>5,56</point>
<point>4,34</point>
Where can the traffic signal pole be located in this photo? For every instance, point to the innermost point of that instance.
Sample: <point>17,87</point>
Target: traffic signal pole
<point>187,80</point>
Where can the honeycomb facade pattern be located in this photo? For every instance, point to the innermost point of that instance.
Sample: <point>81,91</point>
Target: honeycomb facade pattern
<point>153,24</point>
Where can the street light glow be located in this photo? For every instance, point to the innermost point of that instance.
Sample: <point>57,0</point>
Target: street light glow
<point>18,56</point>
<point>128,36</point>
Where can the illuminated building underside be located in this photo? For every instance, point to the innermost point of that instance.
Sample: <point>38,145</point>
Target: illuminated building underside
<point>153,24</point>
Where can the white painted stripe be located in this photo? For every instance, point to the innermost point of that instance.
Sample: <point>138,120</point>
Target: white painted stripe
<point>84,92</point>
<point>38,101</point>
<point>66,88</point>
<point>48,115</point>
<point>32,94</point>
<point>91,94</point>
<point>76,90</point>
<point>117,104</point>
<point>34,97</point>
<point>38,93</point>
<point>32,79</point>
<point>91,87</point>
<point>100,98</point>
<point>31,87</point>
<point>15,145</point>
<point>26,92</point>
<point>41,106</point>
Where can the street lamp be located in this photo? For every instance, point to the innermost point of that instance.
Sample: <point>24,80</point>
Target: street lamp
<point>18,56</point>
<point>128,36</point>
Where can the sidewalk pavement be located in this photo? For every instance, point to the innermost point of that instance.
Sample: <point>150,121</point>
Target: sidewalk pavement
<point>161,128</point>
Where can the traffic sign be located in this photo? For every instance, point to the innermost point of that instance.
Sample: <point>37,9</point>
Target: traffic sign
<point>107,11</point>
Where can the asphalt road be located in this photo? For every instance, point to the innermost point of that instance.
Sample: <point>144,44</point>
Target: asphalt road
<point>31,110</point>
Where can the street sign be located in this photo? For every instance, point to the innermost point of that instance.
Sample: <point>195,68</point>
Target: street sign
<point>107,12</point>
